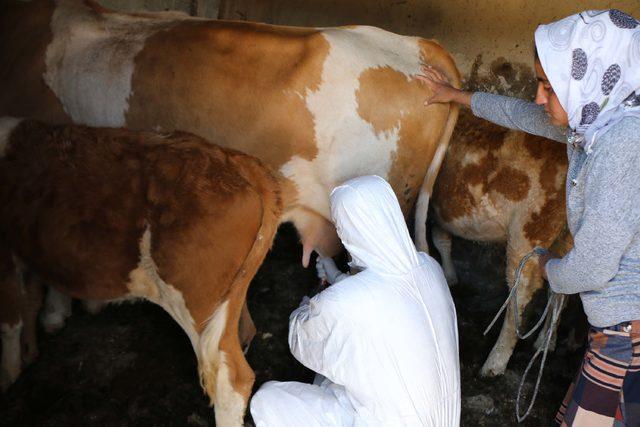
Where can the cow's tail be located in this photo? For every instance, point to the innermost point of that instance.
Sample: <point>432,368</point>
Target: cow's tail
<point>422,205</point>
<point>445,64</point>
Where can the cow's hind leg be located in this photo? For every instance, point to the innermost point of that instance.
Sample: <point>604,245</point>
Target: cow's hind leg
<point>501,352</point>
<point>247,329</point>
<point>11,358</point>
<point>93,306</point>
<point>30,308</point>
<point>225,373</point>
<point>11,297</point>
<point>542,335</point>
<point>442,241</point>
<point>57,307</point>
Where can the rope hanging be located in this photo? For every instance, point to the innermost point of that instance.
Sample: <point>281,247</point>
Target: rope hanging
<point>553,308</point>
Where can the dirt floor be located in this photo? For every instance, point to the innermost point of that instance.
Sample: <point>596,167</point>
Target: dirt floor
<point>132,365</point>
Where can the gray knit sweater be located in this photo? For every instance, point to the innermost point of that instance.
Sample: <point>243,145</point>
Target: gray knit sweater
<point>603,210</point>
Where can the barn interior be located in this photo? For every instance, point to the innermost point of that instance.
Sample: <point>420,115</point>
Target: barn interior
<point>131,364</point>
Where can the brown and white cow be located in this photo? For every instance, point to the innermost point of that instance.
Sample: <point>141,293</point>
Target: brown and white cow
<point>319,106</point>
<point>502,186</point>
<point>111,214</point>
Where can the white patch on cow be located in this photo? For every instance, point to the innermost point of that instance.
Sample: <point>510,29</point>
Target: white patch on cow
<point>208,351</point>
<point>7,125</point>
<point>11,362</point>
<point>90,52</point>
<point>348,145</point>
<point>214,371</point>
<point>472,158</point>
<point>57,307</point>
<point>484,224</point>
<point>230,405</point>
<point>145,282</point>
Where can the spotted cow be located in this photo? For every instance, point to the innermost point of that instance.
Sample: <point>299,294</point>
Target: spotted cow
<point>318,105</point>
<point>501,186</point>
<point>111,214</point>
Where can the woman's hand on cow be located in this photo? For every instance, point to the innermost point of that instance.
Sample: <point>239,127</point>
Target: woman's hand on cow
<point>542,262</point>
<point>441,88</point>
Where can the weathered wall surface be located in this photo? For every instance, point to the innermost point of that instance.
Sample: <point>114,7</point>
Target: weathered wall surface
<point>206,8</point>
<point>492,40</point>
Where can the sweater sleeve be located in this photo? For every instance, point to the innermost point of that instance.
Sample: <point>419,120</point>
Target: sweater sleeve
<point>610,220</point>
<point>516,114</point>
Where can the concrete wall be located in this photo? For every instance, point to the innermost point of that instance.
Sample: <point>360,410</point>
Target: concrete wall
<point>491,40</point>
<point>206,8</point>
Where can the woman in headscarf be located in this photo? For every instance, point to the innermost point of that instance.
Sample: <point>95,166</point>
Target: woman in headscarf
<point>383,341</point>
<point>588,69</point>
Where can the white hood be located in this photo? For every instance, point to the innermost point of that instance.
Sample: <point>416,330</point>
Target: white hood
<point>371,226</point>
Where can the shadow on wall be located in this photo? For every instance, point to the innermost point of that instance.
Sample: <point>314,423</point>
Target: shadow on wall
<point>503,77</point>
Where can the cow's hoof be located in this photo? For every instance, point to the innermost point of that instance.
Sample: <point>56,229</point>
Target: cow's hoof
<point>29,355</point>
<point>5,380</point>
<point>93,307</point>
<point>53,322</point>
<point>490,369</point>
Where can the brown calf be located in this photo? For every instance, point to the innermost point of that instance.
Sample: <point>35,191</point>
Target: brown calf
<point>503,186</point>
<point>111,214</point>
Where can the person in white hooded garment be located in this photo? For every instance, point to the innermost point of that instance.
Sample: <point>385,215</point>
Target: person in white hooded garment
<point>383,341</point>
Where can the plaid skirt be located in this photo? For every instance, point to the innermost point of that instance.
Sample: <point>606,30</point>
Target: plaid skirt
<point>606,390</point>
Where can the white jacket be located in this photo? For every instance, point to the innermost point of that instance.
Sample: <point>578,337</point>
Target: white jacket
<point>385,339</point>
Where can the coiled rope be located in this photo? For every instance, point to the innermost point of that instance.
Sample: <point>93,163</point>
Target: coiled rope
<point>554,307</point>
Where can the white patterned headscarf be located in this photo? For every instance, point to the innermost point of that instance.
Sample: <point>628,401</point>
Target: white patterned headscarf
<point>592,60</point>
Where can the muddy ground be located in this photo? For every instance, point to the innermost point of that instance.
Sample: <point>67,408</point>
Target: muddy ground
<point>132,365</point>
